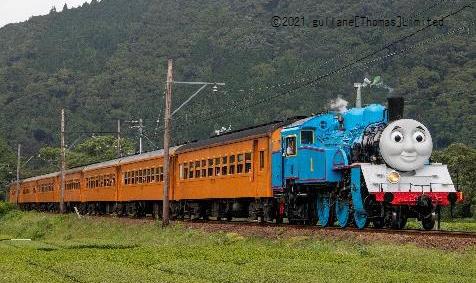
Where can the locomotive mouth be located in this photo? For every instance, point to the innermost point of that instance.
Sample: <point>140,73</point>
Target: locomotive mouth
<point>408,156</point>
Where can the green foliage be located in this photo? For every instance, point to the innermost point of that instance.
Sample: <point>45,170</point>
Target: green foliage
<point>91,150</point>
<point>7,167</point>
<point>105,249</point>
<point>107,60</point>
<point>461,161</point>
<point>5,207</point>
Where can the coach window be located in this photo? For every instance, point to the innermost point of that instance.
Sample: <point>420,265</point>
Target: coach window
<point>210,167</point>
<point>191,170</point>
<point>239,166</point>
<point>232,165</point>
<point>185,170</point>
<point>224,167</point>
<point>157,174</point>
<point>204,167</point>
<point>247,162</point>
<point>261,160</point>
<point>96,182</point>
<point>161,174</point>
<point>148,175</point>
<point>139,176</point>
<point>197,169</point>
<point>217,166</point>
<point>181,171</point>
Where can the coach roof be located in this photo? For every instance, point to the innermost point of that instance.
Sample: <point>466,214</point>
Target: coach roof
<point>229,137</point>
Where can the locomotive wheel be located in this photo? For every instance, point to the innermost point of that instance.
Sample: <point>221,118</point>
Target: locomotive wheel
<point>428,223</point>
<point>361,220</point>
<point>399,219</point>
<point>378,222</point>
<point>342,209</point>
<point>323,209</point>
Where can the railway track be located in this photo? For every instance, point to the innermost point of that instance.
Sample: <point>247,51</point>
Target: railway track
<point>409,232</point>
<point>268,225</point>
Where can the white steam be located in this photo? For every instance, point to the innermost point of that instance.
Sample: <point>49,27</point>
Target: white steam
<point>338,104</point>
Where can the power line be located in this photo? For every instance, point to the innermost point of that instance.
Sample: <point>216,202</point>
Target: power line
<point>252,91</point>
<point>306,81</point>
<point>313,81</point>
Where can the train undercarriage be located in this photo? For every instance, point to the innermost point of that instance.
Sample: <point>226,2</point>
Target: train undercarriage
<point>295,205</point>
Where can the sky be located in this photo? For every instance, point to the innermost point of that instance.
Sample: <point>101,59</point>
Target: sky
<point>14,11</point>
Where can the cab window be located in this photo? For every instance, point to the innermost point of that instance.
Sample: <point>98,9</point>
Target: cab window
<point>307,137</point>
<point>291,146</point>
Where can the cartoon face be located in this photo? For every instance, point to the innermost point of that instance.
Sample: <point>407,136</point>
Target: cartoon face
<point>406,144</point>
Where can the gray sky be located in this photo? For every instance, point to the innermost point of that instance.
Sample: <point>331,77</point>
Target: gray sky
<point>14,11</point>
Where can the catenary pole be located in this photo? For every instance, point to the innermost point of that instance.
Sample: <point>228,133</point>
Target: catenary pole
<point>18,174</point>
<point>119,150</point>
<point>140,135</point>
<point>167,122</point>
<point>63,161</point>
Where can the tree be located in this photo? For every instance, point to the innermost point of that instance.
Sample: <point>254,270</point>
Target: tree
<point>7,167</point>
<point>461,161</point>
<point>91,150</point>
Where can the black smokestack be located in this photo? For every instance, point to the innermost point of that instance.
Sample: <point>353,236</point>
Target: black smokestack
<point>395,108</point>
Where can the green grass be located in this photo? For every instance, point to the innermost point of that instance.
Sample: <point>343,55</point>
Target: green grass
<point>68,249</point>
<point>465,225</point>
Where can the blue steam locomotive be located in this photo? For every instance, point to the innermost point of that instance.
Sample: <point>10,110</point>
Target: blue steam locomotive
<point>359,166</point>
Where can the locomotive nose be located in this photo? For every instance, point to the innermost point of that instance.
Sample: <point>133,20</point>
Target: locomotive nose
<point>405,145</point>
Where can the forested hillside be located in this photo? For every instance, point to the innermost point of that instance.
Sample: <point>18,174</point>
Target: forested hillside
<point>107,60</point>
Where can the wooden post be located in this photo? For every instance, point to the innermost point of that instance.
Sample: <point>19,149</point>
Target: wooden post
<point>167,121</point>
<point>18,174</point>
<point>62,165</point>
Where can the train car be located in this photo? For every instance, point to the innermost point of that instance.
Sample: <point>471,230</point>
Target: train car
<point>72,187</point>
<point>140,189</point>
<point>27,194</point>
<point>226,176</point>
<point>47,191</point>
<point>99,187</point>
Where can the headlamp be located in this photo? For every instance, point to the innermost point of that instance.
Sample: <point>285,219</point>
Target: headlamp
<point>393,177</point>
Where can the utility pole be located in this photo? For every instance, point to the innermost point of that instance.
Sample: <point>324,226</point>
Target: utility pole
<point>18,174</point>
<point>63,161</point>
<point>140,135</point>
<point>119,150</point>
<point>139,126</point>
<point>167,120</point>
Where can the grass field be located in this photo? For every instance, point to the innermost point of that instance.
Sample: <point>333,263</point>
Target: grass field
<point>468,225</point>
<point>68,249</point>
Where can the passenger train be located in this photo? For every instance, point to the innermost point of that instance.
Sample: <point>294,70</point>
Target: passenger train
<point>355,167</point>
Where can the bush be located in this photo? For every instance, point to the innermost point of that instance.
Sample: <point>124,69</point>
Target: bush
<point>5,207</point>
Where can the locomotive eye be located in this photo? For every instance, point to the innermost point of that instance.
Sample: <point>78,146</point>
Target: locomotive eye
<point>419,136</point>
<point>397,136</point>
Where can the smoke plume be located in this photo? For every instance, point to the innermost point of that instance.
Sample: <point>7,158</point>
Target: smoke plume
<point>338,104</point>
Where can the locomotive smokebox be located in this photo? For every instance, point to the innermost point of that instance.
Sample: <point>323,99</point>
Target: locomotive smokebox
<point>395,108</point>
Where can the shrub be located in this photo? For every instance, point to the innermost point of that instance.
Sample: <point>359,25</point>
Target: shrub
<point>5,207</point>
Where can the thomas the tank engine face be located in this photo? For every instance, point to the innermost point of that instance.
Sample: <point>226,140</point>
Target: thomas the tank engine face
<point>405,145</point>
